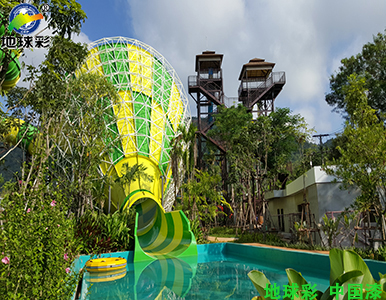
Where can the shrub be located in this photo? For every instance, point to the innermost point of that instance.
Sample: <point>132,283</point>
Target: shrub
<point>198,232</point>
<point>223,231</point>
<point>97,232</point>
<point>259,237</point>
<point>370,253</point>
<point>37,247</point>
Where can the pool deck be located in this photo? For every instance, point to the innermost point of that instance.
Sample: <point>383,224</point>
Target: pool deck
<point>225,240</point>
<point>285,248</point>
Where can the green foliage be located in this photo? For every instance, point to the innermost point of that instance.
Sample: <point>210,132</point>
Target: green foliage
<point>202,195</point>
<point>339,142</point>
<point>79,123</point>
<point>274,240</point>
<point>49,93</point>
<point>70,114</point>
<point>266,143</point>
<point>370,253</point>
<point>183,156</point>
<point>330,228</point>
<point>97,232</point>
<point>37,237</point>
<point>302,231</point>
<point>367,64</point>
<point>347,268</point>
<point>230,124</point>
<point>132,174</point>
<point>198,231</point>
<point>222,231</point>
<point>258,152</point>
<point>259,237</point>
<point>61,178</point>
<point>65,17</point>
<point>362,162</point>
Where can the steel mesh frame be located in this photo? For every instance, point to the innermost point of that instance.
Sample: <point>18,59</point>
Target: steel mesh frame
<point>141,94</point>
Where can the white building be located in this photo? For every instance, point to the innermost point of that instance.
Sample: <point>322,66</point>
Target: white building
<point>322,191</point>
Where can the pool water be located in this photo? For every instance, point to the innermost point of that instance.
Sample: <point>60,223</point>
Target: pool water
<point>209,276</point>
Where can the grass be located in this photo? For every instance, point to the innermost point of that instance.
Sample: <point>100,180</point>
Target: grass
<point>222,232</point>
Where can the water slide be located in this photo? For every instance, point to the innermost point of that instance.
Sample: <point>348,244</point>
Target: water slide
<point>152,106</point>
<point>12,75</point>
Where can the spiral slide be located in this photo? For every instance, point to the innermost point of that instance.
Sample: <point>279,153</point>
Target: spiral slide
<point>24,132</point>
<point>152,106</point>
<point>12,75</point>
<point>13,72</point>
<point>162,235</point>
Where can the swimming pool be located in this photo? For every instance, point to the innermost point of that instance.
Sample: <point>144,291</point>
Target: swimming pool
<point>218,272</point>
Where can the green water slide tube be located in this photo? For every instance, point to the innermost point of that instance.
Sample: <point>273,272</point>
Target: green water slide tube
<point>10,57</point>
<point>23,132</point>
<point>152,106</point>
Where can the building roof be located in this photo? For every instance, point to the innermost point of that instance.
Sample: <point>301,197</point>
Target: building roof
<point>256,67</point>
<point>312,176</point>
<point>207,60</point>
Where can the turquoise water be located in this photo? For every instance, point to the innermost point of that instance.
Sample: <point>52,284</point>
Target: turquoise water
<point>216,276</point>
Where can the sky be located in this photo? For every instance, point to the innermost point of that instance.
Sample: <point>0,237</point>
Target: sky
<point>306,39</point>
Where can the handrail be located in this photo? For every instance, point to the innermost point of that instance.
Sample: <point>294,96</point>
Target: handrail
<point>231,101</point>
<point>252,84</point>
<point>194,80</point>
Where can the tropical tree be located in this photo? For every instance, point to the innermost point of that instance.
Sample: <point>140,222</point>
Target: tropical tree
<point>68,112</point>
<point>257,152</point>
<point>183,156</point>
<point>202,196</point>
<point>230,130</point>
<point>362,162</point>
<point>37,210</point>
<point>65,17</point>
<point>133,173</point>
<point>370,64</point>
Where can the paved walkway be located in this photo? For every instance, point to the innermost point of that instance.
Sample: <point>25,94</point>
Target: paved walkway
<point>224,240</point>
<point>285,248</point>
<point>216,239</point>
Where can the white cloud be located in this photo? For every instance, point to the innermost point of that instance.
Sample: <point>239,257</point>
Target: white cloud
<point>81,38</point>
<point>306,39</point>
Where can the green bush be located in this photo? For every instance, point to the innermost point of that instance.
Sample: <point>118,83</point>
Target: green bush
<point>223,231</point>
<point>97,232</point>
<point>370,253</point>
<point>198,232</point>
<point>37,247</point>
<point>274,240</point>
<point>259,237</point>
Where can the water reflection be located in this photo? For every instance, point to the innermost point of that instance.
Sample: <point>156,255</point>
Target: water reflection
<point>142,280</point>
<point>214,277</point>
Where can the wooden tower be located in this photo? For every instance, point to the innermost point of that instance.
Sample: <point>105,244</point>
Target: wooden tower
<point>259,86</point>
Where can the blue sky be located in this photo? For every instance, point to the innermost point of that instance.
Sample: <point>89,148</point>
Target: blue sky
<point>306,39</point>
